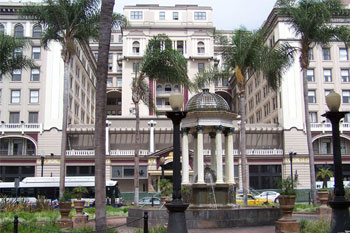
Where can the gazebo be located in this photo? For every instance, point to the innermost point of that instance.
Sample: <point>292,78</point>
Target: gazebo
<point>209,113</point>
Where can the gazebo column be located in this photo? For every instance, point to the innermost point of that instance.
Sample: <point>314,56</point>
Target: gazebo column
<point>229,160</point>
<point>195,157</point>
<point>212,151</point>
<point>218,140</point>
<point>185,157</point>
<point>200,156</point>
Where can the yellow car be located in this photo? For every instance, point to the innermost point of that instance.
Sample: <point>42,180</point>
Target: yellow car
<point>251,200</point>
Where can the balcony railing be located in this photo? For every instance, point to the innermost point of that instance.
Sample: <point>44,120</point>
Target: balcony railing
<point>262,152</point>
<point>111,153</point>
<point>328,127</point>
<point>21,127</point>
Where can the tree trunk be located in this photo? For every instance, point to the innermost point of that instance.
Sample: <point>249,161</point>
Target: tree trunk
<point>243,146</point>
<point>100,115</point>
<point>309,138</point>
<point>64,127</point>
<point>137,148</point>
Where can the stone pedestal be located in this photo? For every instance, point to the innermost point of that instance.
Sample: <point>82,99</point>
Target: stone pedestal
<point>211,196</point>
<point>79,221</point>
<point>287,227</point>
<point>287,224</point>
<point>177,218</point>
<point>64,223</point>
<point>323,209</point>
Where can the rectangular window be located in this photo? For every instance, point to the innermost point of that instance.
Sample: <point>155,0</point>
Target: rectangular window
<point>313,117</point>
<point>175,15</point>
<point>310,75</point>
<point>119,81</point>
<point>345,75</point>
<point>311,54</point>
<point>343,54</point>
<point>327,75</point>
<point>14,117</point>
<point>135,67</point>
<point>16,75</point>
<point>33,117</point>
<point>34,96</point>
<point>162,15</point>
<point>200,67</point>
<point>109,82</point>
<point>346,96</point>
<point>200,16</point>
<point>347,118</point>
<point>35,75</point>
<point>326,53</point>
<point>136,15</point>
<point>18,52</point>
<point>312,96</point>
<point>120,38</point>
<point>15,96</point>
<point>36,53</point>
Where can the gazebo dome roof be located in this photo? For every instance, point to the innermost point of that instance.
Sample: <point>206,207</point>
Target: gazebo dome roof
<point>206,101</point>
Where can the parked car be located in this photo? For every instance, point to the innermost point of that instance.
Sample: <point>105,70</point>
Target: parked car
<point>148,201</point>
<point>251,200</point>
<point>271,195</point>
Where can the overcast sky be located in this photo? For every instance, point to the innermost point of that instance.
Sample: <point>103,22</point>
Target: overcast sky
<point>227,14</point>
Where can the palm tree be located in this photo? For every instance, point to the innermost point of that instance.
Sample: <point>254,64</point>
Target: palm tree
<point>324,174</point>
<point>310,19</point>
<point>163,64</point>
<point>245,54</point>
<point>65,22</point>
<point>10,61</point>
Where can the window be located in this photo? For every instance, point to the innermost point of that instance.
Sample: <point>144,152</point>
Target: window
<point>167,88</point>
<point>343,54</point>
<point>327,75</point>
<point>18,52</point>
<point>345,75</point>
<point>111,101</point>
<point>312,96</point>
<point>176,88</point>
<point>159,102</point>
<point>112,38</point>
<point>119,81</point>
<point>180,46</point>
<point>34,96</point>
<point>200,67</point>
<point>162,15</point>
<point>175,15</point>
<point>36,53</point>
<point>110,56</point>
<point>110,66</point>
<point>264,176</point>
<point>35,75</point>
<point>346,96</point>
<point>33,117</point>
<point>2,29</point>
<point>18,31</point>
<point>14,117</point>
<point>327,92</point>
<point>159,88</point>
<point>326,53</point>
<point>313,117</point>
<point>311,54</point>
<point>347,118</point>
<point>135,67</point>
<point>310,75</point>
<point>136,47</point>
<point>200,16</point>
<point>136,15</point>
<point>109,82</point>
<point>37,31</point>
<point>200,47</point>
<point>15,96</point>
<point>120,38</point>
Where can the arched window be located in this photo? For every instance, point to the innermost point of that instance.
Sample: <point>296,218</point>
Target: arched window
<point>176,88</point>
<point>167,88</point>
<point>136,47</point>
<point>37,31</point>
<point>200,47</point>
<point>2,29</point>
<point>18,31</point>
<point>159,88</point>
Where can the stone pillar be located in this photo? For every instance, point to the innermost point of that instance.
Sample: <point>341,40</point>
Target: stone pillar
<point>212,151</point>
<point>229,160</point>
<point>218,140</point>
<point>200,156</point>
<point>185,157</point>
<point>151,124</point>
<point>195,156</point>
<point>108,123</point>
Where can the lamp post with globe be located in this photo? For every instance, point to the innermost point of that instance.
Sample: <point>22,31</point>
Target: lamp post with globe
<point>340,206</point>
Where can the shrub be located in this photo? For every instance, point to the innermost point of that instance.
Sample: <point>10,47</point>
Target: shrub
<point>311,226</point>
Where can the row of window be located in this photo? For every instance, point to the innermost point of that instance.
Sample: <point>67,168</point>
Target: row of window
<point>111,84</point>
<point>178,45</point>
<point>312,96</point>
<point>167,88</point>
<point>314,119</point>
<point>138,15</point>
<point>327,75</point>
<point>19,30</point>
<point>266,108</point>
<point>17,75</point>
<point>15,97</point>
<point>326,54</point>
<point>14,117</point>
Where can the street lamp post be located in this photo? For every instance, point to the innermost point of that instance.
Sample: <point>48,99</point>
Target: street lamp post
<point>177,219</point>
<point>42,157</point>
<point>161,163</point>
<point>291,165</point>
<point>340,206</point>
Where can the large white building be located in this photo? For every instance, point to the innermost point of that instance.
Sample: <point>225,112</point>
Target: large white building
<point>275,119</point>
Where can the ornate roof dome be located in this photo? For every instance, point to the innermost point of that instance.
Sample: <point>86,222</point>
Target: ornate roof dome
<point>207,101</point>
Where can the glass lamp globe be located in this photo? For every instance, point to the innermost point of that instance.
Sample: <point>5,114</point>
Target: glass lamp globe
<point>176,100</point>
<point>333,100</point>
